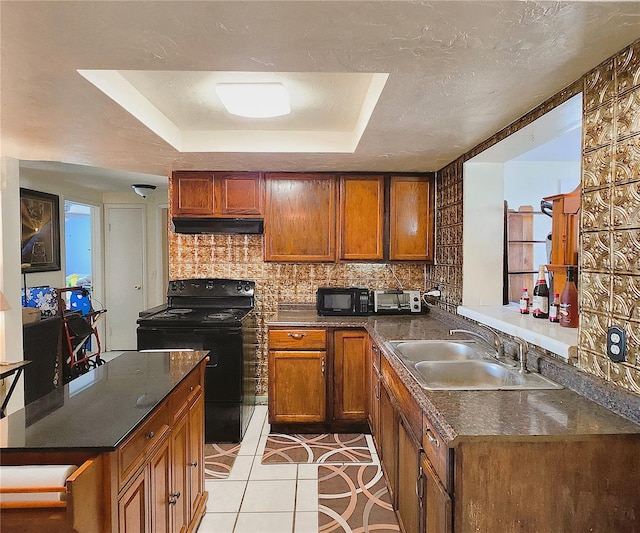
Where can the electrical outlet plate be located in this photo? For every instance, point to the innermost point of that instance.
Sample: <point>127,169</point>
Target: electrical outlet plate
<point>617,344</point>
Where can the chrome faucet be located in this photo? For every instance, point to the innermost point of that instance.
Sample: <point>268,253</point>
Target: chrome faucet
<point>522,354</point>
<point>497,341</point>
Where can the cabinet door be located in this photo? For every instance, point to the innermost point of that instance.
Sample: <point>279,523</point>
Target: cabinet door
<point>411,218</point>
<point>350,380</point>
<point>196,455</point>
<point>193,194</point>
<point>388,438</point>
<point>408,499</point>
<point>297,386</point>
<point>240,194</point>
<point>299,222</point>
<point>179,489</point>
<point>361,218</point>
<point>374,404</point>
<point>437,510</point>
<point>132,508</point>
<point>159,489</point>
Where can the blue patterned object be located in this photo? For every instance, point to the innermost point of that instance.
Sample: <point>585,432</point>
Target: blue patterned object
<point>44,298</point>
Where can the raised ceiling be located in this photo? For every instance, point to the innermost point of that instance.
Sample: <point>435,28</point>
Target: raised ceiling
<point>458,72</point>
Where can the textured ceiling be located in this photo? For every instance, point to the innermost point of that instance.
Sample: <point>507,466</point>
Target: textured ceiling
<point>458,71</point>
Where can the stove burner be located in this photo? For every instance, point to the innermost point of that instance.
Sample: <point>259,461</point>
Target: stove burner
<point>220,316</point>
<point>179,311</point>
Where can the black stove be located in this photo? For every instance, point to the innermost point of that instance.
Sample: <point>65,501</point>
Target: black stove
<point>215,315</point>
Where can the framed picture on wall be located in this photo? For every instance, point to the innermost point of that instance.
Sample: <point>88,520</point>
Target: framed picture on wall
<point>40,233</point>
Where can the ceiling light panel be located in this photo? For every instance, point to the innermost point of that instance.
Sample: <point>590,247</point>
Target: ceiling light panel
<point>254,100</point>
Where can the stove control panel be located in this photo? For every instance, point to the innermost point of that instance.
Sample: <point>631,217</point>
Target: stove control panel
<point>211,287</point>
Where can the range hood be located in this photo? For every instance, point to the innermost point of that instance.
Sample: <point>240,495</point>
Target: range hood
<point>218,225</point>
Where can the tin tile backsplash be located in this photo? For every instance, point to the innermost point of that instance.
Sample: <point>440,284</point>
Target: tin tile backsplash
<point>610,232</point>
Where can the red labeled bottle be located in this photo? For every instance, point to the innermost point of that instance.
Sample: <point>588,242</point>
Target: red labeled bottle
<point>524,302</point>
<point>569,301</point>
<point>541,296</point>
<point>554,308</point>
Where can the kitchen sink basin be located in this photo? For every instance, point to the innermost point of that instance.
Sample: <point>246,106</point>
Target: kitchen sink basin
<point>435,350</point>
<point>476,375</point>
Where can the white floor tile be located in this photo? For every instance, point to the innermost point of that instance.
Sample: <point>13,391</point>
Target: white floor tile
<point>218,523</point>
<point>269,496</point>
<point>249,444</point>
<point>224,496</point>
<point>306,522</point>
<point>307,495</point>
<point>308,471</point>
<point>272,471</point>
<point>265,523</point>
<point>241,468</point>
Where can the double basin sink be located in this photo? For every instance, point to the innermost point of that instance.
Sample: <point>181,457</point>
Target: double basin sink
<point>462,365</point>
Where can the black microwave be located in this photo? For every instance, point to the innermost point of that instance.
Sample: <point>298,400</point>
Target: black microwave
<point>343,301</point>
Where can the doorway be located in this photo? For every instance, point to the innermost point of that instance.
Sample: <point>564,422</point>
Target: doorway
<point>78,223</point>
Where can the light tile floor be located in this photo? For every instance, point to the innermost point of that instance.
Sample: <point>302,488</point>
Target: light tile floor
<point>257,498</point>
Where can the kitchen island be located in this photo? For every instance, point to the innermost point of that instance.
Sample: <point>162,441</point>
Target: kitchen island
<point>491,460</point>
<point>134,428</point>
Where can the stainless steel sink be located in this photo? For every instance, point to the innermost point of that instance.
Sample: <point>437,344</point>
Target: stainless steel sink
<point>435,350</point>
<point>462,365</point>
<point>476,375</point>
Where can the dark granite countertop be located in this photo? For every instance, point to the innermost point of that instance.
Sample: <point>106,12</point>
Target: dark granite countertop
<point>100,409</point>
<point>471,415</point>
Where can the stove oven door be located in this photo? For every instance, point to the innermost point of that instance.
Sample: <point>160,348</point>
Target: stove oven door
<point>223,374</point>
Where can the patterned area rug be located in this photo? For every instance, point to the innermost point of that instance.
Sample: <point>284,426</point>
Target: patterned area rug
<point>354,499</point>
<point>323,448</point>
<point>219,459</point>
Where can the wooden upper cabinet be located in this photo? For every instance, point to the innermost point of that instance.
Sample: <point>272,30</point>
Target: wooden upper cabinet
<point>411,231</point>
<point>217,194</point>
<point>361,218</point>
<point>299,222</point>
<point>240,193</point>
<point>193,194</point>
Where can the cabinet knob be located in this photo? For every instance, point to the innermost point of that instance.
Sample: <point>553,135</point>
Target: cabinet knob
<point>150,435</point>
<point>194,464</point>
<point>297,335</point>
<point>191,388</point>
<point>173,498</point>
<point>432,439</point>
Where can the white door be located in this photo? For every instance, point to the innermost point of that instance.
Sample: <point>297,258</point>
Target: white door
<point>124,271</point>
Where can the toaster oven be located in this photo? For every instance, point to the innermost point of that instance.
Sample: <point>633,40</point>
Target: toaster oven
<point>396,302</point>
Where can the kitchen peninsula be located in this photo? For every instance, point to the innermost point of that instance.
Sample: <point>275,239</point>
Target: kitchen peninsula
<point>480,460</point>
<point>134,427</point>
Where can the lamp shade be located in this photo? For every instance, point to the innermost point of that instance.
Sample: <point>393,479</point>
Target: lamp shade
<point>4,305</point>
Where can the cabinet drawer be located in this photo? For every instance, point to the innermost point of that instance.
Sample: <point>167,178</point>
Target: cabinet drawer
<point>437,451</point>
<point>297,339</point>
<point>184,392</point>
<point>133,452</point>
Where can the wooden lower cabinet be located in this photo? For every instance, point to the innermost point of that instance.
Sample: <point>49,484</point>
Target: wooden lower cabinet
<point>350,380</point>
<point>318,378</point>
<point>166,493</point>
<point>297,386</point>
<point>436,510</point>
<point>388,450</point>
<point>408,499</point>
<point>132,506</point>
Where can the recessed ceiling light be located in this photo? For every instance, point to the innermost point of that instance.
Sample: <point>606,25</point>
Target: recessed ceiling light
<point>254,100</point>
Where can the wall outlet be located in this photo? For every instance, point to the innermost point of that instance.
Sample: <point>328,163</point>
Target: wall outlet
<point>617,344</point>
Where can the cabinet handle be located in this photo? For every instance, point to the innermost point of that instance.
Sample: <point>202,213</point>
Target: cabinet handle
<point>322,365</point>
<point>376,390</point>
<point>150,435</point>
<point>375,348</point>
<point>297,335</point>
<point>432,439</point>
<point>194,464</point>
<point>173,498</point>
<point>191,388</point>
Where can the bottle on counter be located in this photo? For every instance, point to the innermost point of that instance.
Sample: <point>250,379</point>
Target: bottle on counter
<point>554,307</point>
<point>541,296</point>
<point>569,301</point>
<point>524,302</point>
